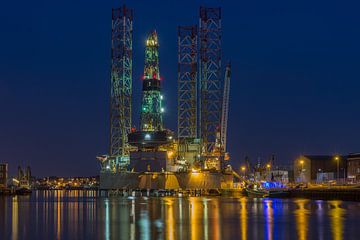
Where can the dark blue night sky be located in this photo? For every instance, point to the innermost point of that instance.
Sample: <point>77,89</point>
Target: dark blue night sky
<point>294,90</point>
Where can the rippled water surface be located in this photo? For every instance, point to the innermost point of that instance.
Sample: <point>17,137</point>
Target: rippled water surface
<point>85,215</point>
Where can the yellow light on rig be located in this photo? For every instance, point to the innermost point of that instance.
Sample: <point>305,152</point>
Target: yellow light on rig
<point>268,165</point>
<point>301,162</point>
<point>243,169</point>
<point>194,170</point>
<point>170,154</point>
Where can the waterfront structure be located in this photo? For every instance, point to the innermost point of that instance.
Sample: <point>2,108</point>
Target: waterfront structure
<point>3,175</point>
<point>151,156</point>
<point>353,167</point>
<point>54,182</point>
<point>24,178</point>
<point>320,168</point>
<point>278,175</point>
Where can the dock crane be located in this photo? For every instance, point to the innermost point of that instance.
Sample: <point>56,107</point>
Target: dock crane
<point>225,107</point>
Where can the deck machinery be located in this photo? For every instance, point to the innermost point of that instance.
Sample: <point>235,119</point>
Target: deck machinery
<point>152,156</point>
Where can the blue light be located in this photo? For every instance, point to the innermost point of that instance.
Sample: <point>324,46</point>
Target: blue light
<point>269,185</point>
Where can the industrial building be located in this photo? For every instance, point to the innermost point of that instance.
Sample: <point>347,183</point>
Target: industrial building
<point>3,175</point>
<point>320,168</point>
<point>353,167</point>
<point>153,156</point>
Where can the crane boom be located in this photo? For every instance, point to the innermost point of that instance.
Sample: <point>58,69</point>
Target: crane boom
<point>225,106</point>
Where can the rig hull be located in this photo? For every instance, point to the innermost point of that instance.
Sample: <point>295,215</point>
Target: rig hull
<point>165,180</point>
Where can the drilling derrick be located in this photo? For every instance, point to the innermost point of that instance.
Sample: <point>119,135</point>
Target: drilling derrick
<point>121,87</point>
<point>151,109</point>
<point>210,83</point>
<point>152,133</point>
<point>151,140</point>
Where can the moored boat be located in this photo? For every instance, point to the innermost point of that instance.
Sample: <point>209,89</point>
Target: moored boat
<point>251,192</point>
<point>278,193</point>
<point>22,191</point>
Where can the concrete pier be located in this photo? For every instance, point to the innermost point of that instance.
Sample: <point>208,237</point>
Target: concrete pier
<point>345,194</point>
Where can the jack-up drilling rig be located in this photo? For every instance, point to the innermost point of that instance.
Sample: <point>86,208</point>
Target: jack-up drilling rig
<point>151,157</point>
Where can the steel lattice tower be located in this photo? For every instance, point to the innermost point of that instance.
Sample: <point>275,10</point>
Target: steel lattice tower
<point>210,76</point>
<point>187,81</point>
<point>151,109</point>
<point>121,84</point>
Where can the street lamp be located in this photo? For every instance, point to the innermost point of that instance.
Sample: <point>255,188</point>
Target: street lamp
<point>268,166</point>
<point>243,169</point>
<point>337,159</point>
<point>302,169</point>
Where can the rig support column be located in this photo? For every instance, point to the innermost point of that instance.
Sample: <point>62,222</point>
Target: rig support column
<point>210,77</point>
<point>121,87</point>
<point>187,82</point>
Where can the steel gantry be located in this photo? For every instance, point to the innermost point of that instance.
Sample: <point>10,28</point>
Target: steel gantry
<point>121,86</point>
<point>210,76</point>
<point>187,82</point>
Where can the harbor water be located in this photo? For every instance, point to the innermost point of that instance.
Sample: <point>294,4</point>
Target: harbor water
<point>62,214</point>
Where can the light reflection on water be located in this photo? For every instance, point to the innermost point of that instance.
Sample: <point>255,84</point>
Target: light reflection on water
<point>85,215</point>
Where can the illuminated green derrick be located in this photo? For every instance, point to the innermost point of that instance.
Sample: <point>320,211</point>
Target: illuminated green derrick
<point>151,109</point>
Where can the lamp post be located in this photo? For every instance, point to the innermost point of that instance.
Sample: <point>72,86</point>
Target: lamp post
<point>243,169</point>
<point>302,170</point>
<point>337,159</point>
<point>268,167</point>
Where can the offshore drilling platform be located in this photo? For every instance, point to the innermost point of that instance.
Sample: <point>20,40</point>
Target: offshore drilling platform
<point>153,157</point>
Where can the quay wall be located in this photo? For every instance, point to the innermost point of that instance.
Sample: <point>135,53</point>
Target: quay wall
<point>346,194</point>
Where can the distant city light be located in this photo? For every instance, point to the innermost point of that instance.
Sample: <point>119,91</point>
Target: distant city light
<point>162,110</point>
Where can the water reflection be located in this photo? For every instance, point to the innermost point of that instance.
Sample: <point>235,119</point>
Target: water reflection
<point>85,215</point>
<point>243,218</point>
<point>336,213</point>
<point>302,219</point>
<point>170,223</point>
<point>194,212</point>
<point>15,218</point>
<point>269,219</point>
